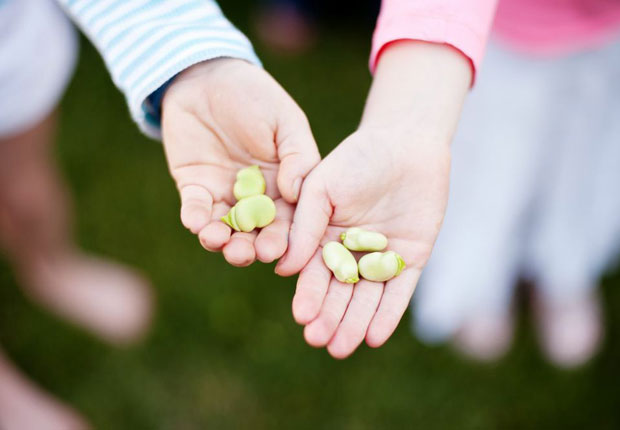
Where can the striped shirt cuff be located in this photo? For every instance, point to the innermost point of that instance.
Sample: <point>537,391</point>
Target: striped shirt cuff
<point>145,43</point>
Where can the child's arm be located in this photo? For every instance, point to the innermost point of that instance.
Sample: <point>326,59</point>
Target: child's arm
<point>146,43</point>
<point>463,25</point>
<point>218,117</point>
<point>222,112</point>
<point>390,176</point>
<point>458,27</point>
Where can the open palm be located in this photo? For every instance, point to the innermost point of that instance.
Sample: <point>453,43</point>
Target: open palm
<point>385,182</point>
<point>221,116</point>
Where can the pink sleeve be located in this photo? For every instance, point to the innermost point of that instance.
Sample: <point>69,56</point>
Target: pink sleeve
<point>463,24</point>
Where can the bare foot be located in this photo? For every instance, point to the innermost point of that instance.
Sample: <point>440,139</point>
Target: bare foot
<point>24,406</point>
<point>111,300</point>
<point>485,337</point>
<point>571,330</point>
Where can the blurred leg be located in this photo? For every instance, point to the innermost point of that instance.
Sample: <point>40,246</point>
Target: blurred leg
<point>25,97</point>
<point>34,222</point>
<point>24,406</point>
<point>34,201</point>
<point>577,233</point>
<point>566,305</point>
<point>42,47</point>
<point>35,226</point>
<point>570,330</point>
<point>467,288</point>
<point>35,231</point>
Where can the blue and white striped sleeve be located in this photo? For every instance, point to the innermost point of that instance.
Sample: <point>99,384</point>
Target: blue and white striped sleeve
<point>145,43</point>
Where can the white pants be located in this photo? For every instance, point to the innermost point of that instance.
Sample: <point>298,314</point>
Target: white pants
<point>535,187</point>
<point>38,48</point>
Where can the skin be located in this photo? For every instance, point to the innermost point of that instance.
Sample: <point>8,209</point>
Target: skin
<point>400,157</point>
<point>110,300</point>
<point>223,115</point>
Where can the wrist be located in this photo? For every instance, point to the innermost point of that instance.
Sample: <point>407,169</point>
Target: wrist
<point>212,65</point>
<point>193,83</point>
<point>418,86</point>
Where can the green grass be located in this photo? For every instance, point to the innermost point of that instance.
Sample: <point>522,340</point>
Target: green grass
<point>224,351</point>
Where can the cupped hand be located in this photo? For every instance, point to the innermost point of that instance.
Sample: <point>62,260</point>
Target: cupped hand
<point>223,115</point>
<point>382,179</point>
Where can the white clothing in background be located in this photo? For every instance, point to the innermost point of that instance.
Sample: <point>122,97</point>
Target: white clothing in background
<point>38,49</point>
<point>534,188</point>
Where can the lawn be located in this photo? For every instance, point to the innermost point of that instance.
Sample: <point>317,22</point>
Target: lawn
<point>224,351</point>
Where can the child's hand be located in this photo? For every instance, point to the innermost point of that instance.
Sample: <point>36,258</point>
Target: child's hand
<point>218,117</point>
<point>399,189</point>
<point>390,176</point>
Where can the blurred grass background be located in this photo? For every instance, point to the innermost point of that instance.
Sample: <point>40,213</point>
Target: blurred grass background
<point>224,351</point>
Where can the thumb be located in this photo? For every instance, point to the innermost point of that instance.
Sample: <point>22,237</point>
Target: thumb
<point>196,206</point>
<point>297,152</point>
<point>310,221</point>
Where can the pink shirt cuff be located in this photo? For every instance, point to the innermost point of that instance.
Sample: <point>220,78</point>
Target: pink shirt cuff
<point>464,25</point>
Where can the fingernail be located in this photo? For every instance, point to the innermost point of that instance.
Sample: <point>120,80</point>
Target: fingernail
<point>279,265</point>
<point>296,188</point>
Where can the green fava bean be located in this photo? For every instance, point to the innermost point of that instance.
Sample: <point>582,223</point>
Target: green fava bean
<point>250,213</point>
<point>341,262</point>
<point>250,182</point>
<point>357,239</point>
<point>381,266</point>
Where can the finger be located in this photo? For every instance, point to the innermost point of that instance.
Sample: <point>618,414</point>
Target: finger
<point>196,205</point>
<point>297,152</point>
<point>309,224</point>
<point>352,329</point>
<point>320,331</point>
<point>272,240</point>
<point>311,289</point>
<point>394,303</point>
<point>216,234</point>
<point>239,251</point>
